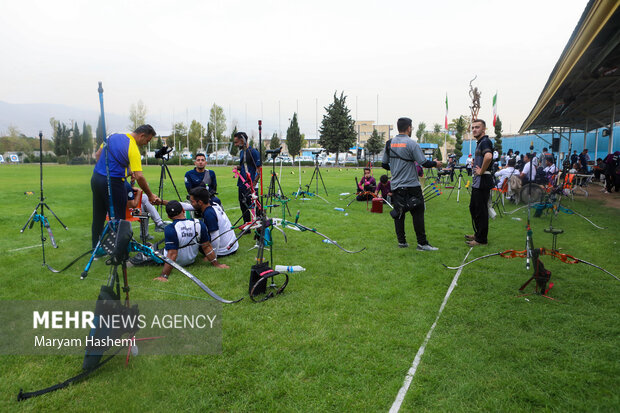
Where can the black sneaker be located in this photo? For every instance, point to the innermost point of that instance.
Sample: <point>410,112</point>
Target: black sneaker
<point>403,245</point>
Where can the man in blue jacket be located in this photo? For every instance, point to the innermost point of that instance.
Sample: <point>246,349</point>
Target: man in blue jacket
<point>249,162</point>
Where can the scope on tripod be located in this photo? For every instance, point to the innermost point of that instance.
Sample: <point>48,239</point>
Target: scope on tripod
<point>163,151</point>
<point>460,167</point>
<point>274,152</point>
<point>317,152</point>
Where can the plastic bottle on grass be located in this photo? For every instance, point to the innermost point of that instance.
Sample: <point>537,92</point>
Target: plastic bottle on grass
<point>339,209</point>
<point>289,268</point>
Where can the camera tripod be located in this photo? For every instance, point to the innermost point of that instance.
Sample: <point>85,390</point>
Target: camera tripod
<point>303,193</point>
<point>459,183</point>
<point>162,176</point>
<point>271,190</point>
<point>316,173</point>
<point>34,217</point>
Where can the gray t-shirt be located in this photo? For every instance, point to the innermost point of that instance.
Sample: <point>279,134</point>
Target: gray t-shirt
<point>404,172</point>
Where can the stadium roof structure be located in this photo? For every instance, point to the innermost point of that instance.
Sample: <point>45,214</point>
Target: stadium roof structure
<point>583,90</point>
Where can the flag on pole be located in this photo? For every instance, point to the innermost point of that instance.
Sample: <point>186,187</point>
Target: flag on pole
<point>494,109</point>
<point>446,122</point>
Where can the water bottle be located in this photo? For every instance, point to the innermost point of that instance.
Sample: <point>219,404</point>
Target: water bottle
<point>339,209</point>
<point>289,268</point>
<point>328,241</point>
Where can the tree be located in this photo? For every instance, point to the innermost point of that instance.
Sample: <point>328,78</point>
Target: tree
<point>137,115</point>
<point>217,120</point>
<point>438,154</point>
<point>275,141</point>
<point>160,143</point>
<point>437,128</point>
<point>460,125</point>
<point>179,131</point>
<point>233,150</point>
<point>54,125</point>
<point>76,142</point>
<point>13,131</point>
<point>337,132</point>
<point>61,139</point>
<point>293,138</point>
<point>420,132</point>
<point>375,143</point>
<point>87,140</point>
<point>195,131</point>
<point>498,136</point>
<point>98,133</point>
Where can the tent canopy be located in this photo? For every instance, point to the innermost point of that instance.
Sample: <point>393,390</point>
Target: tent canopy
<point>582,91</point>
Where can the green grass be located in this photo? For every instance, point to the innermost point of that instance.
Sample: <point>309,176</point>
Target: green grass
<point>345,332</point>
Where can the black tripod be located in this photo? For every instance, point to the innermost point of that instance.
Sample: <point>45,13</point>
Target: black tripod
<point>460,180</point>
<point>164,154</point>
<point>272,191</point>
<point>34,217</point>
<point>316,173</point>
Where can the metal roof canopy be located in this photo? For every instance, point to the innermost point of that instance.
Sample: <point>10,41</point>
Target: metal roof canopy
<point>583,90</point>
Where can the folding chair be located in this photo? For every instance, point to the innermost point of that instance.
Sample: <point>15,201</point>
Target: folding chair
<point>498,203</point>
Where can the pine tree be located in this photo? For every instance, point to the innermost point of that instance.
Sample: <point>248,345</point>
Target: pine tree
<point>99,132</point>
<point>233,149</point>
<point>76,142</point>
<point>87,140</point>
<point>375,143</point>
<point>293,138</point>
<point>498,136</point>
<point>275,141</point>
<point>61,140</point>
<point>460,126</point>
<point>337,132</point>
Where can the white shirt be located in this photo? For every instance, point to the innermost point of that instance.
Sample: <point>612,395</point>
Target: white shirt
<point>526,171</point>
<point>503,174</point>
<point>551,170</point>
<point>220,244</point>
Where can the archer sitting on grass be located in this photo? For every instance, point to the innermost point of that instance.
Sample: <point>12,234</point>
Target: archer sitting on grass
<point>183,237</point>
<point>384,189</point>
<point>366,186</point>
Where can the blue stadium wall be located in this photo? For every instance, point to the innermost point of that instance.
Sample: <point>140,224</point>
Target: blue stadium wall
<point>522,143</point>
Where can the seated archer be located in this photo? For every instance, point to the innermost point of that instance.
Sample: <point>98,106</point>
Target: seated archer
<point>366,186</point>
<point>183,239</point>
<point>384,189</point>
<point>200,177</point>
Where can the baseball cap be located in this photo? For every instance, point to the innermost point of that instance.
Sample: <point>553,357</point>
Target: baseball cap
<point>174,208</point>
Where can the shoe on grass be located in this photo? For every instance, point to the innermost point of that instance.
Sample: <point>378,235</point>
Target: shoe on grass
<point>427,247</point>
<point>474,243</point>
<point>403,245</point>
<point>470,237</point>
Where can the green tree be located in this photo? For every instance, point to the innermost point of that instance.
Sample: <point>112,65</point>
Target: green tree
<point>498,136</point>
<point>337,132</point>
<point>217,123</point>
<point>137,115</point>
<point>179,133</point>
<point>98,133</point>
<point>293,138</point>
<point>420,132</point>
<point>233,149</point>
<point>76,142</point>
<point>437,128</point>
<point>438,154</point>
<point>275,141</point>
<point>160,143</point>
<point>61,139</point>
<point>375,143</point>
<point>460,126</point>
<point>87,140</point>
<point>195,131</point>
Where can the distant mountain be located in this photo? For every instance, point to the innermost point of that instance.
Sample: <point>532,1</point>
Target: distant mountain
<point>31,118</point>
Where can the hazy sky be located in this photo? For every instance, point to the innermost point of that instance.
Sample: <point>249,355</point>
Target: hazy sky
<point>270,58</point>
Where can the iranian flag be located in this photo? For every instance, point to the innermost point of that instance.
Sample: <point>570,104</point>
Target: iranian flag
<point>446,121</point>
<point>494,109</point>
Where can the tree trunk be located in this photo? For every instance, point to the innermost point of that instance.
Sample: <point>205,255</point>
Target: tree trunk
<point>337,156</point>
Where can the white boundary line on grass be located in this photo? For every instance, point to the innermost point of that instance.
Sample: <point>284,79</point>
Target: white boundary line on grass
<point>24,248</point>
<point>418,357</point>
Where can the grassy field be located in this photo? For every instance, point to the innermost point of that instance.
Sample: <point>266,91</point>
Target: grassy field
<point>345,332</point>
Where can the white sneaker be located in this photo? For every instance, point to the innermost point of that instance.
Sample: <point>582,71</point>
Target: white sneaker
<point>427,247</point>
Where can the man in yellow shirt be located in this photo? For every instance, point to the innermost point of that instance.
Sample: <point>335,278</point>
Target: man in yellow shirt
<point>122,155</point>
